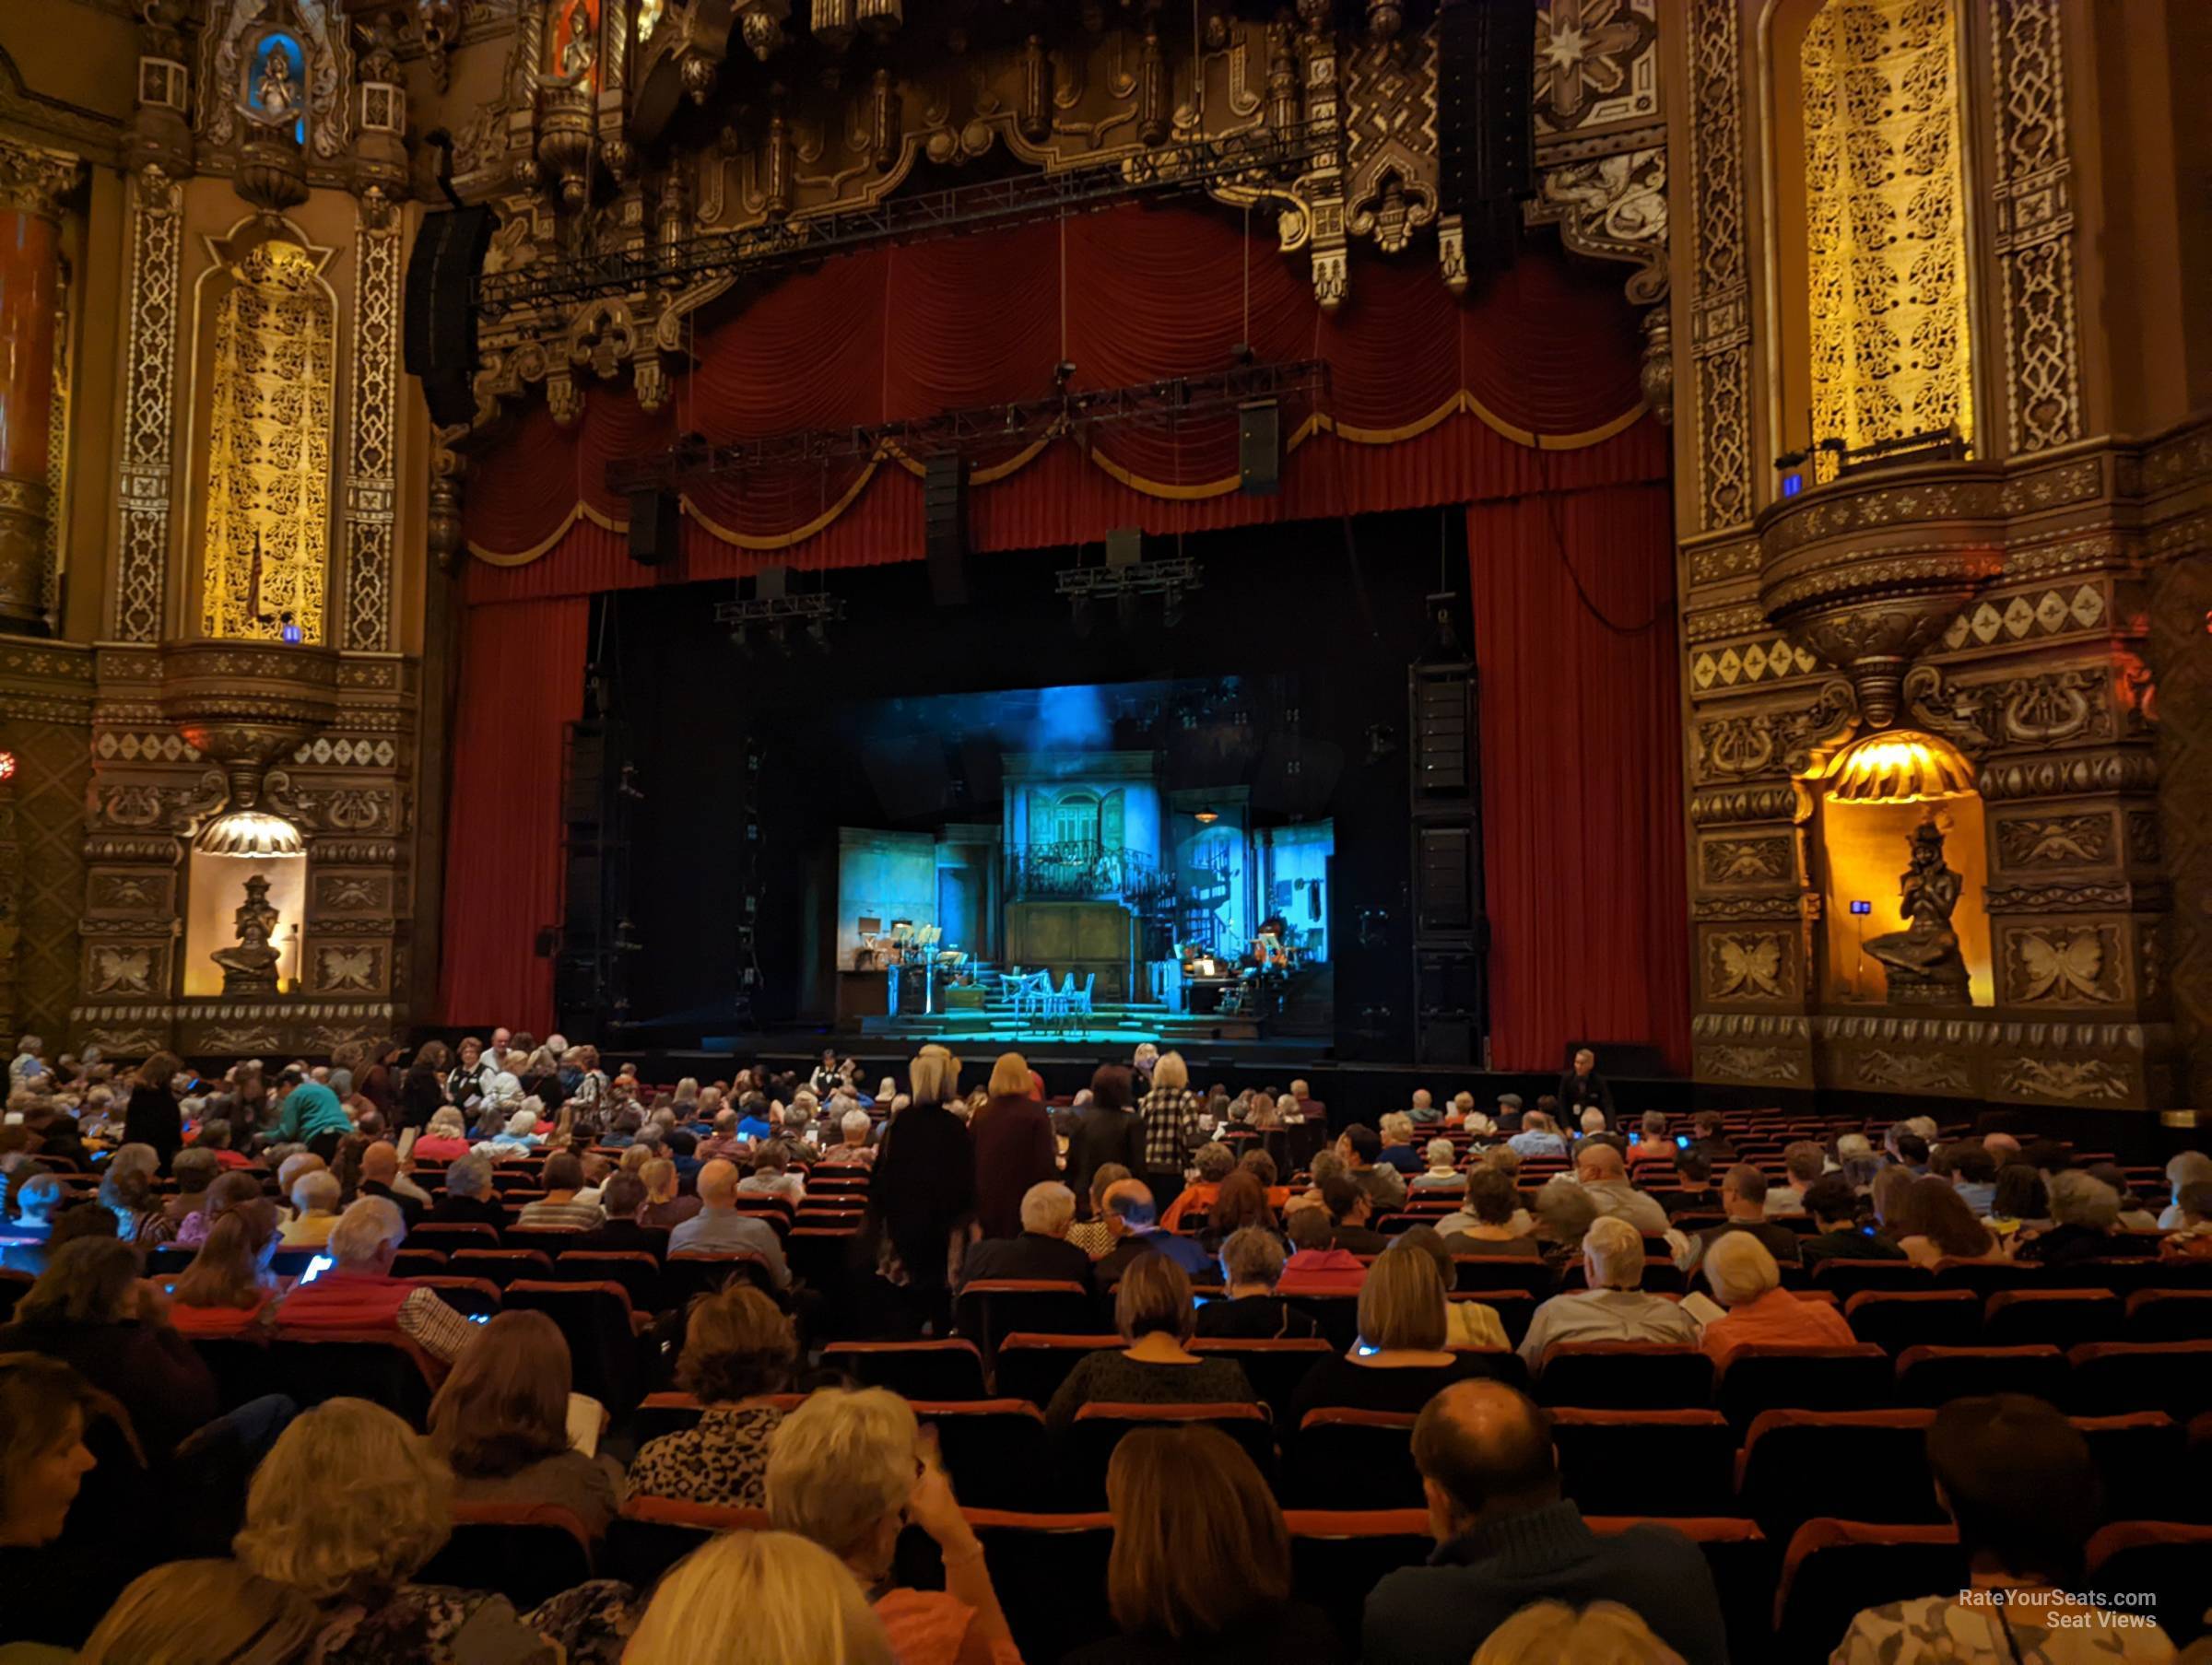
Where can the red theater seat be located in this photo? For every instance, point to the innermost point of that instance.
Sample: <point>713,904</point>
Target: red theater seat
<point>1344,1458</point>
<point>2063,1318</point>
<point>989,1309</point>
<point>2164,1560</point>
<point>1834,1568</point>
<point>2110,1377</point>
<point>1935,1376</point>
<point>1851,1465</point>
<point>934,1370</point>
<point>2169,1315</point>
<point>1274,1368</point>
<point>994,1449</point>
<point>527,1553</point>
<point>1625,1376</point>
<point>1761,1378</point>
<point>1894,1319</point>
<point>1099,1426</point>
<point>1033,1366</point>
<point>1646,1462</point>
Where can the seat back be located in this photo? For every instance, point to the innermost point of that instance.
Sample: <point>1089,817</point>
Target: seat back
<point>684,1276</point>
<point>933,1370</point>
<point>1847,1278</point>
<point>527,1553</point>
<point>418,1263</point>
<point>1050,1572</point>
<point>2064,1318</point>
<point>450,1234</point>
<point>381,1365</point>
<point>1338,1555</point>
<point>1853,1465</point>
<point>994,1449</point>
<point>500,1266</point>
<point>2165,1560</point>
<point>2142,1463</point>
<point>1894,1319</point>
<point>1742,1560</point>
<point>1344,1458</point>
<point>1833,1568</point>
<point>2108,1378</point>
<point>596,1320</point>
<point>2169,1315</point>
<point>1935,1376</point>
<point>1646,1462</point>
<point>637,1271</point>
<point>1761,1378</point>
<point>1338,1316</point>
<point>1502,1272</point>
<point>653,1534</point>
<point>990,1309</point>
<point>1033,1366</point>
<point>1101,1425</point>
<point>1274,1368</point>
<point>1625,1376</point>
<point>471,1297</point>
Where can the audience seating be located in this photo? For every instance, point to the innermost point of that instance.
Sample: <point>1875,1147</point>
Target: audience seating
<point>1503,1271</point>
<point>1033,1366</point>
<point>1847,1278</point>
<point>1099,1425</point>
<point>1765,1378</point>
<point>1833,1568</point>
<point>475,1297</point>
<point>1934,1376</point>
<point>929,1370</point>
<point>1274,1368</point>
<point>1338,1555</point>
<point>450,1234</point>
<point>378,1364</point>
<point>659,1414</point>
<point>2138,1457</point>
<point>637,1271</point>
<point>996,1450</point>
<point>1742,1561</point>
<point>1515,1309</point>
<point>2165,1560</point>
<point>1894,1319</point>
<point>1353,1460</point>
<point>1338,1316</point>
<point>2111,1377</point>
<point>1853,1465</point>
<point>500,1266</point>
<point>1645,1463</point>
<point>685,1275</point>
<point>2064,1318</point>
<point>1050,1572</point>
<point>603,1345</point>
<point>1625,1376</point>
<point>418,1263</point>
<point>527,1553</point>
<point>2169,1315</point>
<point>990,1309</point>
<point>651,1534</point>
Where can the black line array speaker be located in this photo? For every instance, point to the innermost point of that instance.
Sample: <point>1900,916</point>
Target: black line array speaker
<point>439,331</point>
<point>656,524</point>
<point>1260,448</point>
<point>1486,116</point>
<point>945,529</point>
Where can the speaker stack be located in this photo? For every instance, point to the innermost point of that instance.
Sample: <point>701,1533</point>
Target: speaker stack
<point>1486,121</point>
<point>439,330</point>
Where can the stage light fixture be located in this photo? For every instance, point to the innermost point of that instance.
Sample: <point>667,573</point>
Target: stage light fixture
<point>1207,817</point>
<point>1170,609</point>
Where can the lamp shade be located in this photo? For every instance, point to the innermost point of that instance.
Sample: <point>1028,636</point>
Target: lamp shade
<point>1899,767</point>
<point>252,833</point>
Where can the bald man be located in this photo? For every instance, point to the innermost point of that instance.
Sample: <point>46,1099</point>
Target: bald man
<point>719,1229</point>
<point>1606,1176</point>
<point>1505,1538</point>
<point>380,1178</point>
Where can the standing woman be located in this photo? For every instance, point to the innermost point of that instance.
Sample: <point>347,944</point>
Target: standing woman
<point>921,1188</point>
<point>470,1076</point>
<point>380,1080</point>
<point>1107,1131</point>
<point>422,1087</point>
<point>1014,1148</point>
<point>151,1118</point>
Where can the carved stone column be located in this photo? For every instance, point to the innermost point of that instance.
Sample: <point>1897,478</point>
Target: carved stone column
<point>32,184</point>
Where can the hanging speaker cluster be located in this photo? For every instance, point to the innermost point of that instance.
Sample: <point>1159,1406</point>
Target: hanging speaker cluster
<point>439,327</point>
<point>1486,121</point>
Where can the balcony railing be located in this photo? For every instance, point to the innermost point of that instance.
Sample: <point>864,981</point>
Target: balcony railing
<point>1082,871</point>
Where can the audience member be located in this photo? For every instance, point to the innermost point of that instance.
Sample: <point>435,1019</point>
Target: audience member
<point>1317,1266</point>
<point>1466,1323</point>
<point>381,1177</point>
<point>1582,1088</point>
<point>36,1199</point>
<point>738,1348</point>
<point>2133,1217</point>
<point>469,1198</point>
<point>1399,1359</point>
<point>1744,1201</point>
<point>227,1290</point>
<point>309,1113</point>
<point>1804,1161</point>
<point>315,1196</point>
<point>360,1292</point>
<point>151,1118</point>
<point>850,1470</point>
<point>772,1174</point>
<point>1172,1117</point>
<point>2084,1212</point>
<point>205,1612</point>
<point>1973,1172</point>
<point>1537,1137</point>
<point>1605,1180</point>
<point>1107,1132</point>
<point>1361,1148</point>
<point>195,1168</point>
<point>502,1423</point>
<point>856,1127</point>
<point>1215,1163</point>
<point>759,1598</point>
<point>1014,1148</point>
<point>1241,1203</point>
<point>1200,1570</point>
<point>1484,1224</point>
<point>1563,1212</point>
<point>1652,1143</point>
<point>91,1311</point>
<point>921,1188</point>
<point>2021,1205</point>
<point>1350,1207</point>
<point>666,1207</point>
<point>1441,1176</point>
<point>2184,1169</point>
<point>346,1510</point>
<point>1613,1308</point>
<point>1551,1632</point>
<point>1152,1311</point>
<point>1932,1223</point>
<point>1505,1537</point>
<point>2191,1238</point>
<point>1136,1235</point>
<point>2019,1483</point>
<point>1041,1251</point>
<point>1252,1265</point>
<point>1708,1140</point>
<point>1745,1280</point>
<point>720,1228</point>
<point>1095,1235</point>
<point>1423,1109</point>
<point>1397,1151</point>
<point>1834,1208</point>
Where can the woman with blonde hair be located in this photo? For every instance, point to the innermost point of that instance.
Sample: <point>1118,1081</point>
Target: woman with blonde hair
<point>1551,1632</point>
<point>1201,1562</point>
<point>1401,1357</point>
<point>445,1139</point>
<point>738,1348</point>
<point>347,1508</point>
<point>203,1612</point>
<point>502,1423</point>
<point>1014,1148</point>
<point>1173,1118</point>
<point>921,1190</point>
<point>759,1599</point>
<point>849,1471</point>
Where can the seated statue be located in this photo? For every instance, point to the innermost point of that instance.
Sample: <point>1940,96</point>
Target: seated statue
<point>251,967</point>
<point>1923,963</point>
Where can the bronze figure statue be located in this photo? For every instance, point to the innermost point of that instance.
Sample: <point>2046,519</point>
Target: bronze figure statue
<point>251,967</point>
<point>1924,966</point>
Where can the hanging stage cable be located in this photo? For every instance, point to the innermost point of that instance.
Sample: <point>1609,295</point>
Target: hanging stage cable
<point>1263,159</point>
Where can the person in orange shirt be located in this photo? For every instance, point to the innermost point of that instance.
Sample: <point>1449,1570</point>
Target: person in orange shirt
<point>1746,1281</point>
<point>1215,1163</point>
<point>1315,1266</point>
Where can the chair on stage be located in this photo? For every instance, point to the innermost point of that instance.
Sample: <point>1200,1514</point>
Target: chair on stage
<point>1080,997</point>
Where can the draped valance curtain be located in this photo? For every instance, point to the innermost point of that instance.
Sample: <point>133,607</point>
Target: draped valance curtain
<point>1521,401</point>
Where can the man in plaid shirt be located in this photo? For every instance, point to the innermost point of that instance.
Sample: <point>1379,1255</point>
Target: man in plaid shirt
<point>1171,1132</point>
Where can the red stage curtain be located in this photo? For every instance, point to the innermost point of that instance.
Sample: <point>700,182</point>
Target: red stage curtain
<point>522,679</point>
<point>1581,773</point>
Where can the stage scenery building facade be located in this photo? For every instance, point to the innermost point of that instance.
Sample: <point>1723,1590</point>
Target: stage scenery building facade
<point>1395,531</point>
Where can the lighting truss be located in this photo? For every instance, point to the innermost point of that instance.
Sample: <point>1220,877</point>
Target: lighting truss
<point>1023,422</point>
<point>814,612</point>
<point>1176,576</point>
<point>1261,157</point>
